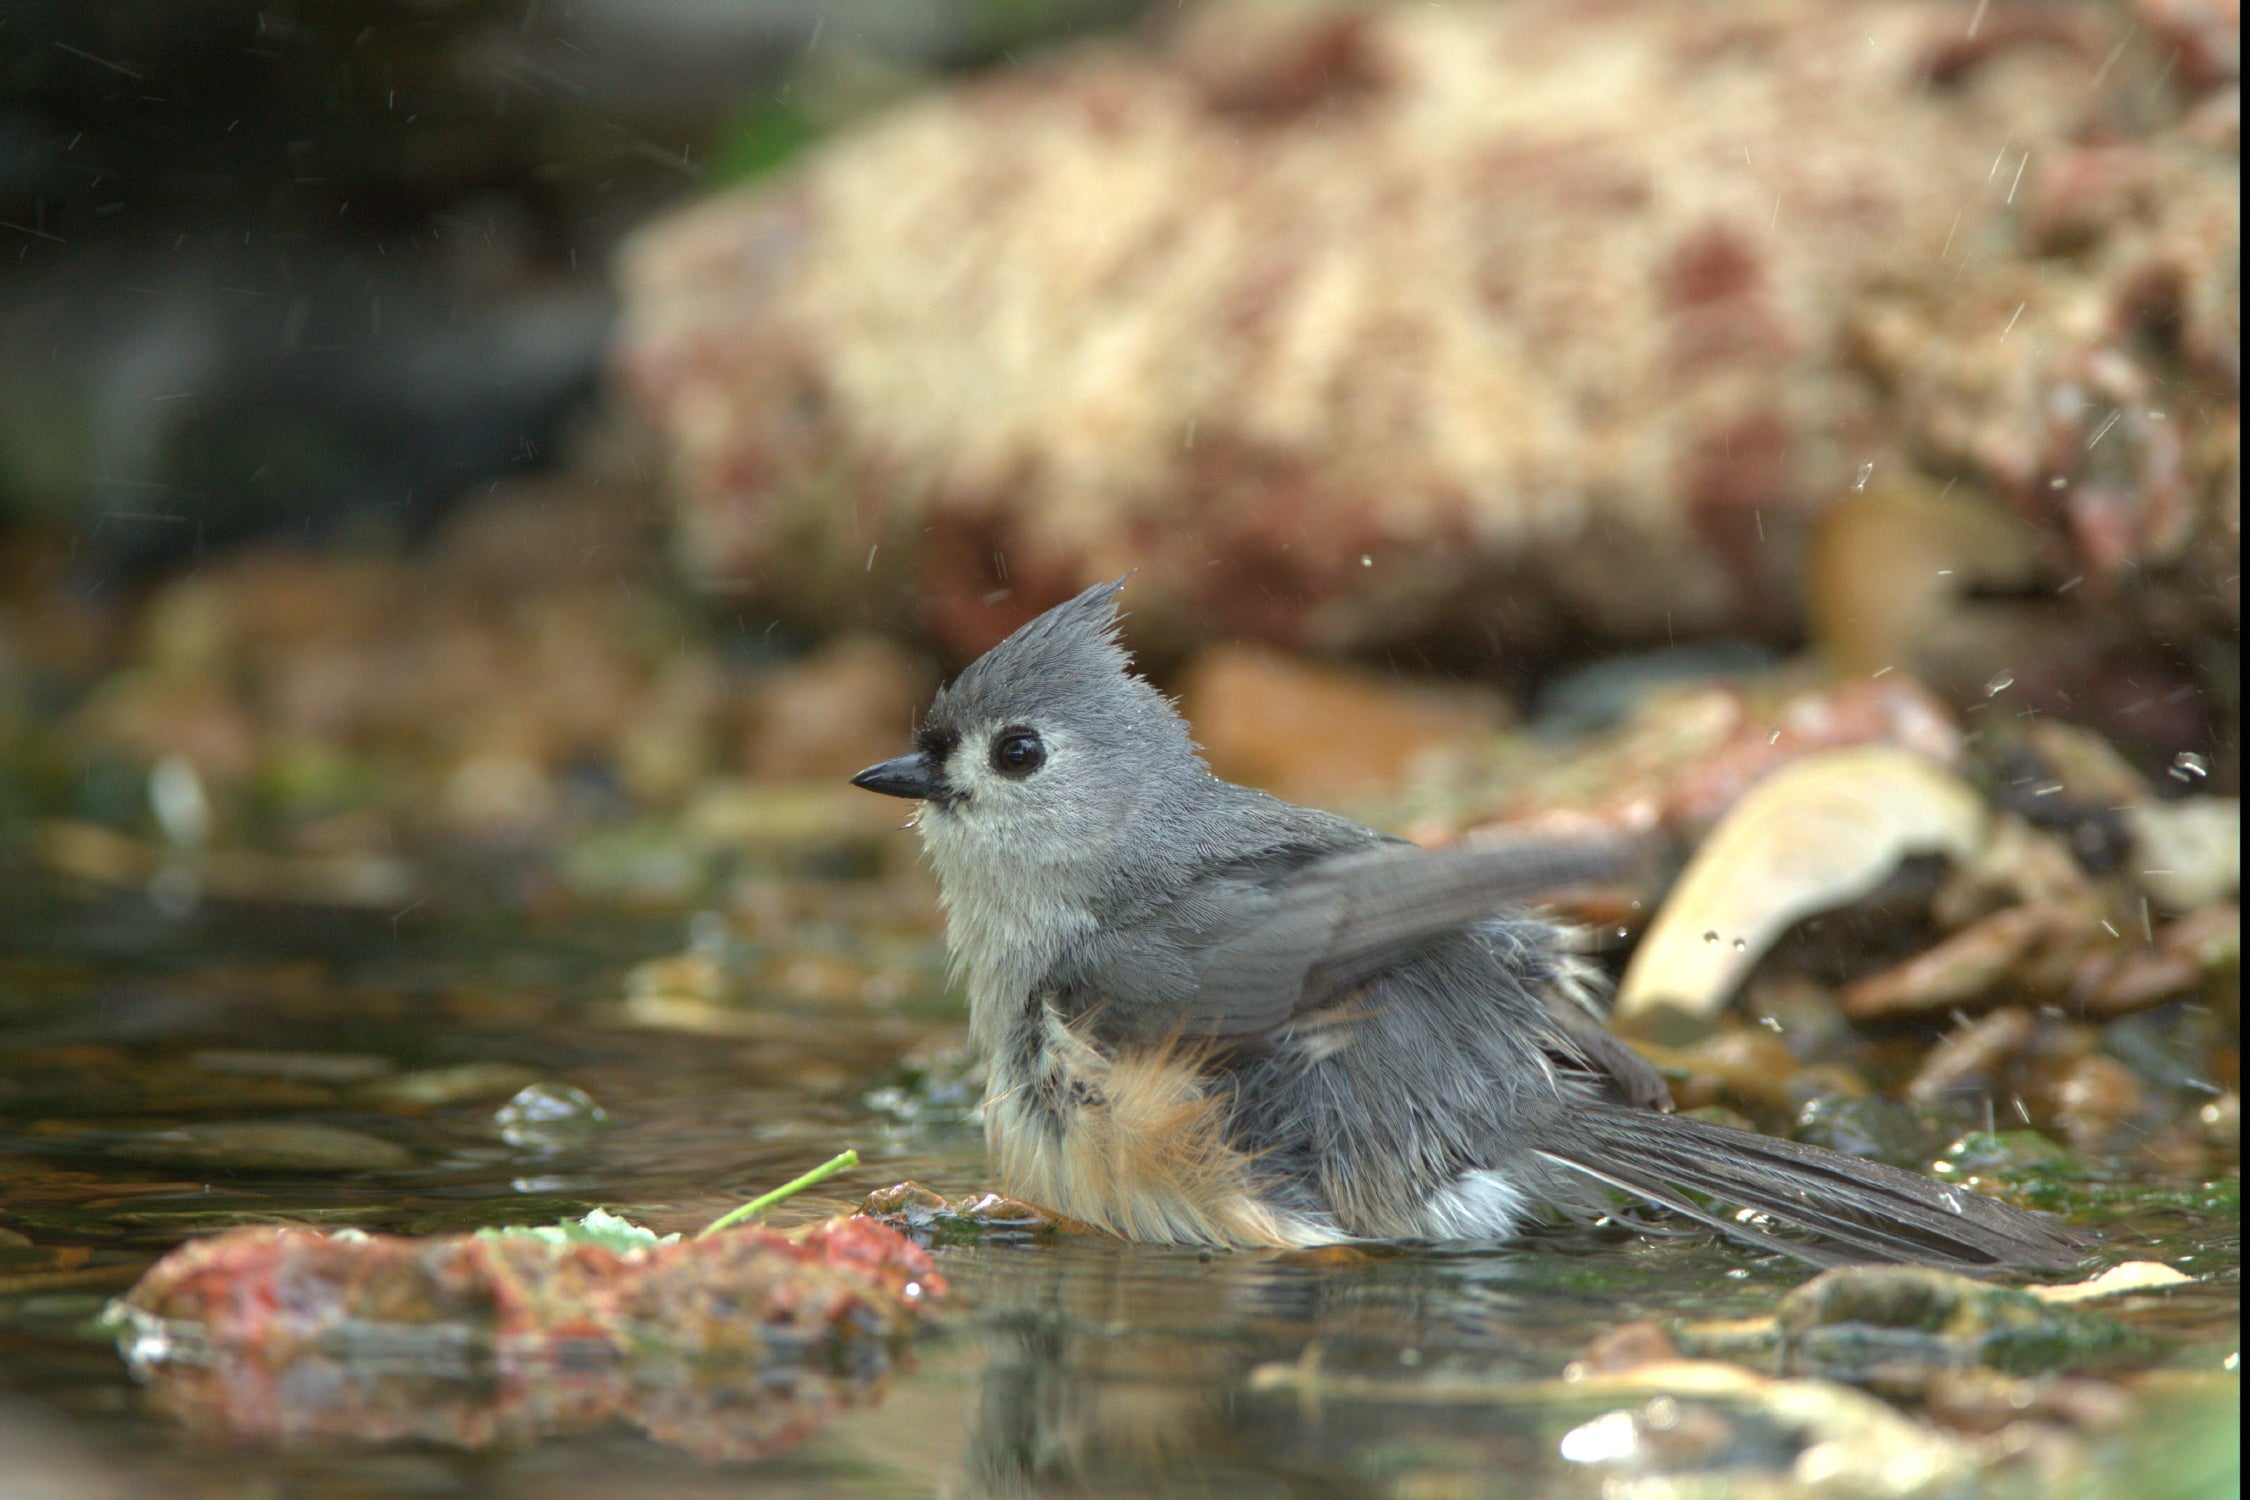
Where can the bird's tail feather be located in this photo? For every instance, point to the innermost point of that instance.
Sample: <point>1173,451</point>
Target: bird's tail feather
<point>1857,1210</point>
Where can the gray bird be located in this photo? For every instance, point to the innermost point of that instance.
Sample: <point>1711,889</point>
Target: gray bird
<point>1212,1017</point>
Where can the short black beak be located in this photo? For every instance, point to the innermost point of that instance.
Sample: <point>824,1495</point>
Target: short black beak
<point>908,776</point>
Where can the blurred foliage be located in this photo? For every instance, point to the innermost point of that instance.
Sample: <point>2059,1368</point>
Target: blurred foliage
<point>765,132</point>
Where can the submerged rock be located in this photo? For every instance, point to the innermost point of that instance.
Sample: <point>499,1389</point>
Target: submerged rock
<point>429,1088</point>
<point>2007,1154</point>
<point>266,1146</point>
<point>1875,1128</point>
<point>917,1210</point>
<point>1895,1327</point>
<point>315,1067</point>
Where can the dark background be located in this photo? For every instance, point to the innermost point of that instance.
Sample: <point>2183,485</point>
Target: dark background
<point>323,265</point>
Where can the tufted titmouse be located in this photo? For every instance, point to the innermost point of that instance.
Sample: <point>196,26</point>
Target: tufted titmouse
<point>1213,1017</point>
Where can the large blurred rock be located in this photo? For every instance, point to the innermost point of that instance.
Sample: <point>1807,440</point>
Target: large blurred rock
<point>1472,325</point>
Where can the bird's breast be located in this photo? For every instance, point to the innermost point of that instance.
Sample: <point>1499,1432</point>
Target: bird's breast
<point>1004,935</point>
<point>1132,1140</point>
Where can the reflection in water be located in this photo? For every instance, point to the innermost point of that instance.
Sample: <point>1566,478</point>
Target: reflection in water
<point>715,1412</point>
<point>1088,1388</point>
<point>1115,1370</point>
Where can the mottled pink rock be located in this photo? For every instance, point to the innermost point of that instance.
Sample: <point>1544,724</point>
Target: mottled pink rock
<point>732,1346</point>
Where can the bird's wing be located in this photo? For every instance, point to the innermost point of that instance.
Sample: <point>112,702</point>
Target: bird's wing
<point>1256,941</point>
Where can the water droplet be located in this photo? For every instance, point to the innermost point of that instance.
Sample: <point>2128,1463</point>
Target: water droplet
<point>2189,767</point>
<point>1740,945</point>
<point>1866,472</point>
<point>2000,684</point>
<point>549,1117</point>
<point>1366,560</point>
<point>1710,937</point>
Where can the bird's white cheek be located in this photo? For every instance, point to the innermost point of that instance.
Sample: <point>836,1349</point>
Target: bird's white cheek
<point>962,834</point>
<point>939,827</point>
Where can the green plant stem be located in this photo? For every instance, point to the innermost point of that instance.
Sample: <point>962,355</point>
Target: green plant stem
<point>759,1205</point>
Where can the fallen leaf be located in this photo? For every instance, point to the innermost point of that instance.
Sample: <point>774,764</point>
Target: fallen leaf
<point>1813,836</point>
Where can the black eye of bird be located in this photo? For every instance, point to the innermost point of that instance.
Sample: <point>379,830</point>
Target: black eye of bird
<point>1018,752</point>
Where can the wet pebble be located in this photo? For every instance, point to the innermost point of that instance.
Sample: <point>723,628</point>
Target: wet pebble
<point>266,1146</point>
<point>2188,854</point>
<point>2095,1097</point>
<point>1699,1427</point>
<point>377,1331</point>
<point>1875,1128</point>
<point>1962,969</point>
<point>1974,1054</point>
<point>2018,865</point>
<point>430,1087</point>
<point>2113,981</point>
<point>902,1198</point>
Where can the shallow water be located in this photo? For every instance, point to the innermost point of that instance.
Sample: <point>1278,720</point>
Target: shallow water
<point>158,1075</point>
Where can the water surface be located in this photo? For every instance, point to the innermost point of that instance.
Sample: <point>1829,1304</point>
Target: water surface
<point>158,1075</point>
